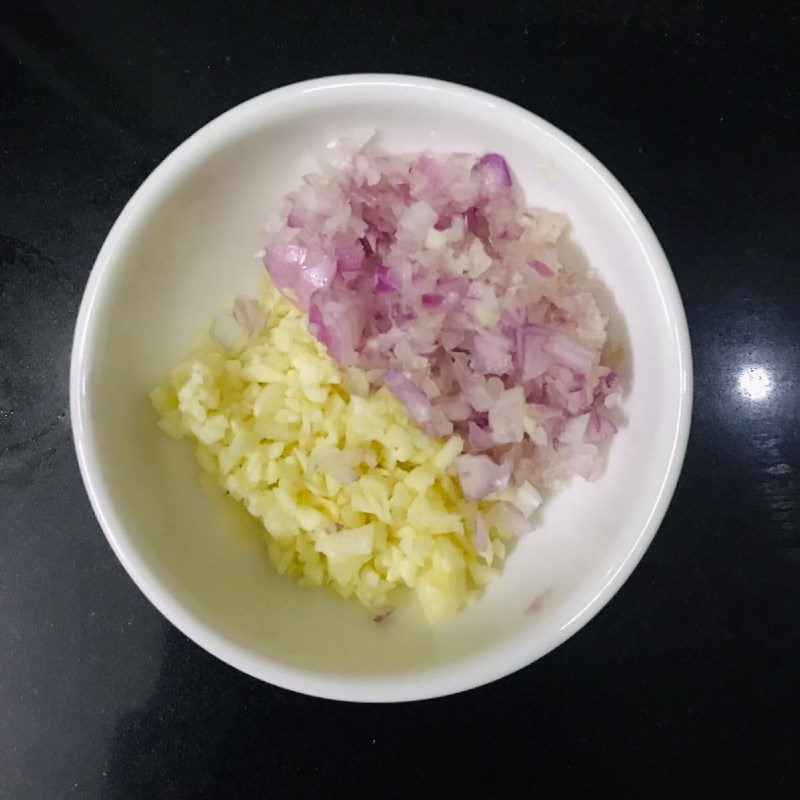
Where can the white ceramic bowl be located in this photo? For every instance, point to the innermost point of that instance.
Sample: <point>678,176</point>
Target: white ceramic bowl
<point>186,240</point>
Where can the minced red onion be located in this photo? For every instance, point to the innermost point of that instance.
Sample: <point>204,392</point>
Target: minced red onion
<point>479,475</point>
<point>480,534</point>
<point>249,315</point>
<point>429,267</point>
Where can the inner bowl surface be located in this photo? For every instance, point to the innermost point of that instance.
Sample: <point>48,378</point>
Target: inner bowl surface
<point>187,240</point>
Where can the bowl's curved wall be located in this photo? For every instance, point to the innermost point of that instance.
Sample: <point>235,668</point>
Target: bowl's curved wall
<point>187,240</point>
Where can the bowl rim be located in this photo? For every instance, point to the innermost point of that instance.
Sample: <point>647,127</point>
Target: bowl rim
<point>438,681</point>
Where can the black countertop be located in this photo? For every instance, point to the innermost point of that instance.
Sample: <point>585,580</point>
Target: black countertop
<point>688,683</point>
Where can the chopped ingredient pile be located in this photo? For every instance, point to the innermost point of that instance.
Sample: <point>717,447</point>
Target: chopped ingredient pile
<point>352,493</point>
<point>420,366</point>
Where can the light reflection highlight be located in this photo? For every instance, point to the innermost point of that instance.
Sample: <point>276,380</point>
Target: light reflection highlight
<point>755,383</point>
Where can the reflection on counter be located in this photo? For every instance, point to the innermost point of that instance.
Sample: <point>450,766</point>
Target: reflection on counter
<point>755,383</point>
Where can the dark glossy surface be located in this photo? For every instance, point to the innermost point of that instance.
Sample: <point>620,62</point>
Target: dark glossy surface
<point>687,684</point>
